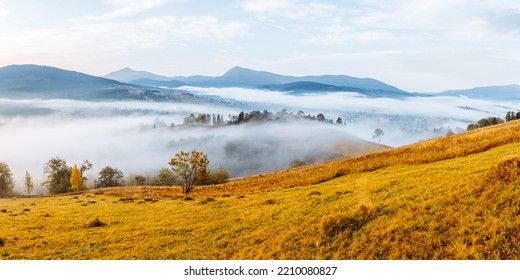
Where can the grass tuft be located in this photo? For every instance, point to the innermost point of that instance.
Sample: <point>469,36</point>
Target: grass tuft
<point>505,172</point>
<point>207,200</point>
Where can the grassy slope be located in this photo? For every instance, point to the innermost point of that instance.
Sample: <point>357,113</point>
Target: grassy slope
<point>455,197</point>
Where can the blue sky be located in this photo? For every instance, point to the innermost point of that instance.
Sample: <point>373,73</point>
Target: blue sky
<point>415,45</point>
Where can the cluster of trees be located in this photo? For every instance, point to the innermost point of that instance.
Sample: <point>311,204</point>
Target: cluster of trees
<point>187,169</point>
<point>511,116</point>
<point>255,116</point>
<point>204,119</point>
<point>62,179</point>
<point>485,122</point>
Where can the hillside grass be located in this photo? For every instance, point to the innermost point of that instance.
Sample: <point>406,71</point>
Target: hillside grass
<point>455,197</point>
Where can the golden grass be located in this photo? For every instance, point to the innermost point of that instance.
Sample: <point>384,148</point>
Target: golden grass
<point>456,197</point>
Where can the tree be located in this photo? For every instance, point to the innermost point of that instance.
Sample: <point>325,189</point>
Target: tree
<point>164,178</point>
<point>76,180</point>
<point>508,116</point>
<point>139,180</point>
<point>6,180</point>
<point>190,167</point>
<point>339,120</point>
<point>378,134</point>
<point>29,186</point>
<point>110,177</point>
<point>58,176</point>
<point>84,167</point>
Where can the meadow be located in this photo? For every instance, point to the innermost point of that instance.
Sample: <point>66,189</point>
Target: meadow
<point>454,197</point>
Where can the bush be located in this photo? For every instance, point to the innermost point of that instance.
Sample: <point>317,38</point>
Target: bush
<point>96,223</point>
<point>218,176</point>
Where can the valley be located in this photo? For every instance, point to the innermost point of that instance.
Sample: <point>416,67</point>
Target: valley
<point>309,178</point>
<point>455,197</point>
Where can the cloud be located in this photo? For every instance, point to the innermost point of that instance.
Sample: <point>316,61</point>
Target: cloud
<point>346,103</point>
<point>202,27</point>
<point>291,9</point>
<point>124,8</point>
<point>3,10</point>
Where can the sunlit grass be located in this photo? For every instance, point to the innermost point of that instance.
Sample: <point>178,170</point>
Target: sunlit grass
<point>456,197</point>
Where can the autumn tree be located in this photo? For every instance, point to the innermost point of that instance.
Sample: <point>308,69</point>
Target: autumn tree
<point>191,167</point>
<point>29,185</point>
<point>76,180</point>
<point>6,180</point>
<point>110,177</point>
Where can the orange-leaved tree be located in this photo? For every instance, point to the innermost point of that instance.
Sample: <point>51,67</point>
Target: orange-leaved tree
<point>76,180</point>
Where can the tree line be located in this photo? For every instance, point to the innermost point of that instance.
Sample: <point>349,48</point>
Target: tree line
<point>254,116</point>
<point>188,169</point>
<point>510,116</point>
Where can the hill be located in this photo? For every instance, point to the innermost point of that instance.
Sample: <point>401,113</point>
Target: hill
<point>34,81</point>
<point>299,88</point>
<point>455,197</point>
<point>497,93</point>
<point>127,74</point>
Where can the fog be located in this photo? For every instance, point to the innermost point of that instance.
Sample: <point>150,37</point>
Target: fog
<point>460,108</point>
<point>137,137</point>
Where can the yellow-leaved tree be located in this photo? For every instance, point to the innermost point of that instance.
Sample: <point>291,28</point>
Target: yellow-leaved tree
<point>76,180</point>
<point>191,167</point>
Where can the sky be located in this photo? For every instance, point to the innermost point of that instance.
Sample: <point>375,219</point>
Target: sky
<point>421,46</point>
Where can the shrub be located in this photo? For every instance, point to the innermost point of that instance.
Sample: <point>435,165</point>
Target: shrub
<point>96,223</point>
<point>218,176</point>
<point>314,193</point>
<point>270,202</point>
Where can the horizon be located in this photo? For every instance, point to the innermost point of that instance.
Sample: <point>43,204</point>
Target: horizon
<point>417,46</point>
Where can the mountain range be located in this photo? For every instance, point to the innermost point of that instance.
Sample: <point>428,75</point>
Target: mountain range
<point>34,81</point>
<point>44,82</point>
<point>248,78</point>
<point>508,92</point>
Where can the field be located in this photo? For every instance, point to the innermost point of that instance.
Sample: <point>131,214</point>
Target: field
<point>455,197</point>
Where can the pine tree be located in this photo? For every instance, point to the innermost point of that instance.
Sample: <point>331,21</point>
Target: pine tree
<point>76,180</point>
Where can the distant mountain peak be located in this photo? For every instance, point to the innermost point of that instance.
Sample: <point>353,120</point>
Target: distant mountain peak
<point>237,70</point>
<point>128,74</point>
